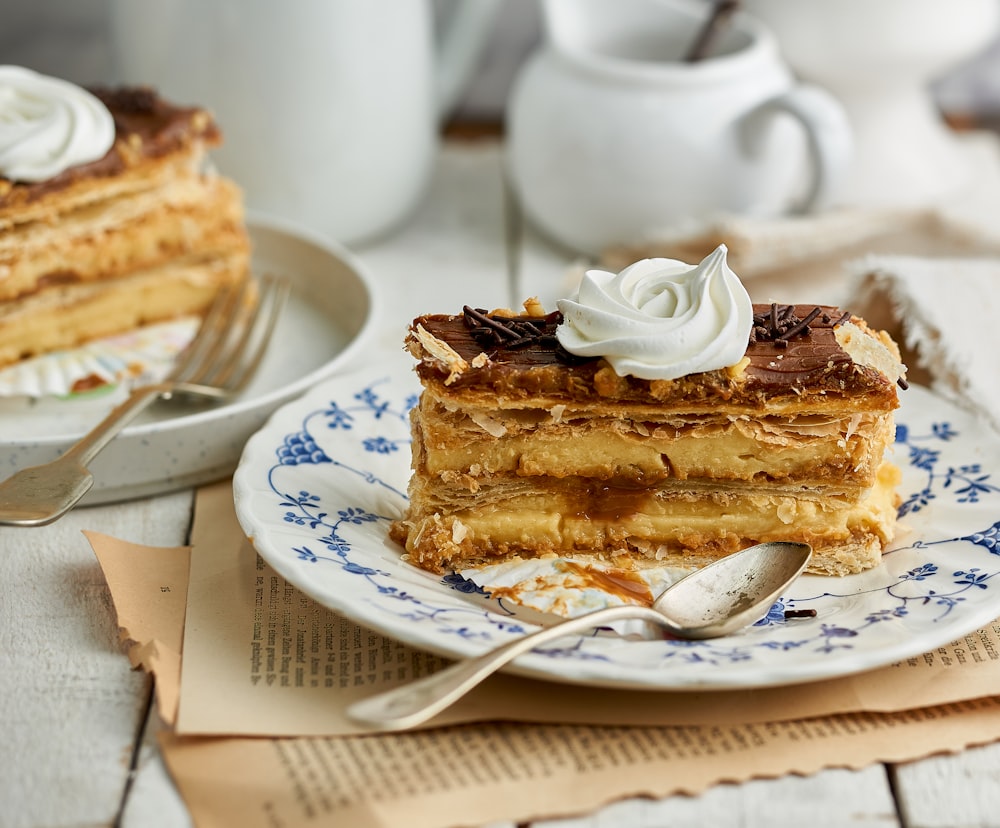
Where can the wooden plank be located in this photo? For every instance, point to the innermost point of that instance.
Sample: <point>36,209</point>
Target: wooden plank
<point>69,703</point>
<point>546,270</point>
<point>152,800</point>
<point>950,791</point>
<point>829,799</point>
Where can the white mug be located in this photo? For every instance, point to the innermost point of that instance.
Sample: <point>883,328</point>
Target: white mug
<point>614,139</point>
<point>329,108</point>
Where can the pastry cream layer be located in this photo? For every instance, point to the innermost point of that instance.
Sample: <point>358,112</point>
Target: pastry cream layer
<point>659,526</point>
<point>838,454</point>
<point>68,315</point>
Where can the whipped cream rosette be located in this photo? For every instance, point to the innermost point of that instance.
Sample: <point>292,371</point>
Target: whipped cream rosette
<point>660,319</point>
<point>48,125</point>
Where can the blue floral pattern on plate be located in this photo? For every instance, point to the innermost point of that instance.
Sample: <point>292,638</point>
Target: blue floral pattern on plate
<point>318,486</point>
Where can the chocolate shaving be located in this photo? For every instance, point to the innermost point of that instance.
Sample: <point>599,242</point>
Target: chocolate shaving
<point>478,321</point>
<point>801,327</point>
<point>510,333</point>
<point>780,324</point>
<point>800,613</point>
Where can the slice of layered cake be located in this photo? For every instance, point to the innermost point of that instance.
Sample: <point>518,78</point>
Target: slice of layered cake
<point>659,419</point>
<point>108,217</point>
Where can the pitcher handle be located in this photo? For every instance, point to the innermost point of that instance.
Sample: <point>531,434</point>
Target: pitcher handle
<point>828,135</point>
<point>464,34</point>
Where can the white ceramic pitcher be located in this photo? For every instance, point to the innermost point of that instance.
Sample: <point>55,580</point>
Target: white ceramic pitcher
<point>330,108</point>
<point>613,138</point>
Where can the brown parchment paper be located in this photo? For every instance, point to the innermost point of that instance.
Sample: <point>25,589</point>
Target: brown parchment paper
<point>149,589</point>
<point>564,749</point>
<point>474,774</point>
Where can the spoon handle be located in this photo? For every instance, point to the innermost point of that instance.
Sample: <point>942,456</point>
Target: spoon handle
<point>416,702</point>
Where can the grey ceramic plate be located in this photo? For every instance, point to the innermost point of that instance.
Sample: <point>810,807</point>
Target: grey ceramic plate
<point>175,445</point>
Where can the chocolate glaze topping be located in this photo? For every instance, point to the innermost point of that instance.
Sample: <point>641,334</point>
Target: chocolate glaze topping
<point>792,349</point>
<point>162,126</point>
<point>146,126</point>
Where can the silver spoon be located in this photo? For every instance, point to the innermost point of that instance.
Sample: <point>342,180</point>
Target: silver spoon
<point>711,602</point>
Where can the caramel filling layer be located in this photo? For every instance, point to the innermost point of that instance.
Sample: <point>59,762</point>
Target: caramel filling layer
<point>658,526</point>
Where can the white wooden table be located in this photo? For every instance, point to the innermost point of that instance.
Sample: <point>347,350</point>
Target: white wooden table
<point>77,725</point>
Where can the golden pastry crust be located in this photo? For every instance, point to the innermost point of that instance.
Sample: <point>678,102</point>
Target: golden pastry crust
<point>121,235</point>
<point>834,453</point>
<point>661,526</point>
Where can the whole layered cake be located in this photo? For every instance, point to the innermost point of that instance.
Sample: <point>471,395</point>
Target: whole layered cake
<point>660,419</point>
<point>109,216</point>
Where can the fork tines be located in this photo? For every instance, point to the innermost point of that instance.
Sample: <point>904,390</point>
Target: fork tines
<point>233,336</point>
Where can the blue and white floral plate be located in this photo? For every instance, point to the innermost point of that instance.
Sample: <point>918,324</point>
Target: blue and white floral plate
<point>318,486</point>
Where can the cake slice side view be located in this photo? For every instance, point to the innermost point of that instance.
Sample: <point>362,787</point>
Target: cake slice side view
<point>523,448</point>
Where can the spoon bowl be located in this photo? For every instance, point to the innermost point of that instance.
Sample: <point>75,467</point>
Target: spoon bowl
<point>732,592</point>
<point>710,602</point>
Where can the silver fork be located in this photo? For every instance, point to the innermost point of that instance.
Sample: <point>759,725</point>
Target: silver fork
<point>218,363</point>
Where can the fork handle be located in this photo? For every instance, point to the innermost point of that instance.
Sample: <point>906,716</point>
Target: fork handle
<point>41,494</point>
<point>412,704</point>
<point>84,450</point>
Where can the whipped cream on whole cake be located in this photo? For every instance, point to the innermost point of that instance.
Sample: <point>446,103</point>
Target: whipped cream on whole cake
<point>597,431</point>
<point>48,125</point>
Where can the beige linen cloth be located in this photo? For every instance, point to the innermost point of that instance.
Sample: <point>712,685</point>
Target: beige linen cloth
<point>944,314</point>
